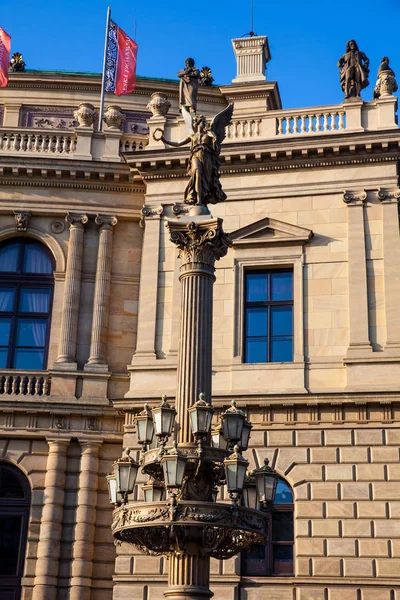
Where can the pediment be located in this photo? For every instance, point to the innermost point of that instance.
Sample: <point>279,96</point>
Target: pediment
<point>270,231</point>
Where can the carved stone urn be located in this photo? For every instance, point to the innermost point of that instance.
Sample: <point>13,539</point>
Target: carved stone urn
<point>159,104</point>
<point>386,84</point>
<point>113,116</point>
<point>85,115</point>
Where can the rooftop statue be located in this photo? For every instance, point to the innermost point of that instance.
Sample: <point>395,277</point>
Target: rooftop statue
<point>204,186</point>
<point>354,70</point>
<point>17,62</point>
<point>189,86</point>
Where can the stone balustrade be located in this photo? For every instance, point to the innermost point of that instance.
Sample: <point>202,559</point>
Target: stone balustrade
<point>25,383</point>
<point>133,143</point>
<point>28,142</point>
<point>309,121</point>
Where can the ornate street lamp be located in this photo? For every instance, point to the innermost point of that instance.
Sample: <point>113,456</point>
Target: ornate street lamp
<point>173,464</point>
<point>244,440</point>
<point>145,426</point>
<point>115,498</point>
<point>235,471</point>
<point>249,496</point>
<point>126,470</point>
<point>217,438</point>
<point>266,482</point>
<point>200,418</point>
<point>164,421</point>
<point>232,424</point>
<point>153,491</point>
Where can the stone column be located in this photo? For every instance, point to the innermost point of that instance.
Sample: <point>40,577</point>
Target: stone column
<point>72,292</point>
<point>188,577</point>
<point>85,528</point>
<point>48,552</point>
<point>359,344</point>
<point>146,334</point>
<point>97,360</point>
<point>201,243</point>
<point>391,265</point>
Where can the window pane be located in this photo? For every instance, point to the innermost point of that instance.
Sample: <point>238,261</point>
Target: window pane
<point>282,350</point>
<point>256,322</point>
<point>256,350</point>
<point>283,560</point>
<point>10,533</point>
<point>256,287</point>
<point>9,258</point>
<point>34,300</point>
<point>281,320</point>
<point>31,332</point>
<point>3,358</point>
<point>5,326</point>
<point>10,487</point>
<point>281,286</point>
<point>256,561</point>
<point>36,260</point>
<point>29,359</point>
<point>282,527</point>
<point>6,299</point>
<point>283,493</point>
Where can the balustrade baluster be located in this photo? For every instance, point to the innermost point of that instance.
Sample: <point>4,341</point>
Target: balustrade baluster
<point>9,381</point>
<point>341,120</point>
<point>325,124</point>
<point>279,125</point>
<point>302,123</point>
<point>258,122</point>
<point>15,385</point>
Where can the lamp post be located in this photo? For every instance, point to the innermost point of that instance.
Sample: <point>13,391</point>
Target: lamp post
<point>190,526</point>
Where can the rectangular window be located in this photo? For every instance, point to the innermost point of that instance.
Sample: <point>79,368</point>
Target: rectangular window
<point>268,335</point>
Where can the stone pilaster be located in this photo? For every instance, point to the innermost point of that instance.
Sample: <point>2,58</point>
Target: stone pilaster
<point>83,547</point>
<point>359,343</point>
<point>72,291</point>
<point>97,360</point>
<point>201,243</point>
<point>188,577</point>
<point>146,334</point>
<point>391,263</point>
<point>48,552</point>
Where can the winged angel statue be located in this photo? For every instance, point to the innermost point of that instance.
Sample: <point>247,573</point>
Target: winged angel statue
<point>204,186</point>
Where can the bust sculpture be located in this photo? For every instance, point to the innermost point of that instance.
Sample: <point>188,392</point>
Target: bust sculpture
<point>189,86</point>
<point>354,70</point>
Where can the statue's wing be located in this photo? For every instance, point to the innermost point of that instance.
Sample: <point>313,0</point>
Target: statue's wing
<point>188,120</point>
<point>220,122</point>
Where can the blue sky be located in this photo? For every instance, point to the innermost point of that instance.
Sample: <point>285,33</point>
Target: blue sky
<point>306,37</point>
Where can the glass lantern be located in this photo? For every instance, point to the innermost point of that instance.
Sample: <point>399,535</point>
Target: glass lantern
<point>153,491</point>
<point>164,419</point>
<point>145,426</point>
<point>126,470</point>
<point>115,498</point>
<point>266,482</point>
<point>244,440</point>
<point>200,417</point>
<point>217,438</point>
<point>235,471</point>
<point>173,465</point>
<point>232,424</point>
<point>249,497</point>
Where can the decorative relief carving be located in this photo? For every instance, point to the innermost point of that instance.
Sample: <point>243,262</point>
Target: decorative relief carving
<point>57,226</point>
<point>179,208</point>
<point>21,218</point>
<point>92,423</point>
<point>203,242</point>
<point>60,421</point>
<point>349,196</point>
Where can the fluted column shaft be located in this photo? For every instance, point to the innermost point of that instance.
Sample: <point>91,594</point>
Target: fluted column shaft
<point>101,293</point>
<point>72,291</point>
<point>83,547</point>
<point>188,577</point>
<point>201,243</point>
<point>48,552</point>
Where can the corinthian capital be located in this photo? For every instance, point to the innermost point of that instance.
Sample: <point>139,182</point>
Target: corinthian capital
<point>76,220</point>
<point>106,221</point>
<point>201,242</point>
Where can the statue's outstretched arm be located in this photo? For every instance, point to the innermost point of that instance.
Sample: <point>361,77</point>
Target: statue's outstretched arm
<point>168,142</point>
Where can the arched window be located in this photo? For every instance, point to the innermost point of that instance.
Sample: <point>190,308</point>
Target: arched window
<point>276,557</point>
<point>26,294</point>
<point>15,499</point>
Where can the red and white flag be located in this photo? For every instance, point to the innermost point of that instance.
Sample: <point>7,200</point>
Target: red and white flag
<point>5,40</point>
<point>120,74</point>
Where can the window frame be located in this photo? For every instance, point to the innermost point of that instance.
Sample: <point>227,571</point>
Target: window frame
<point>267,304</point>
<point>19,281</point>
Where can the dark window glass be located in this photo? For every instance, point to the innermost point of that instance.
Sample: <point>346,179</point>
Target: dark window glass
<point>10,485</point>
<point>269,317</point>
<point>276,557</point>
<point>25,304</point>
<point>10,540</point>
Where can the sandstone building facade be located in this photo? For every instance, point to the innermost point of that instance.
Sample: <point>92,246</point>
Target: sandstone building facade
<point>306,329</point>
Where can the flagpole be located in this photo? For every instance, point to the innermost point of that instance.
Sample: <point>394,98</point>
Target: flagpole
<point>103,79</point>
